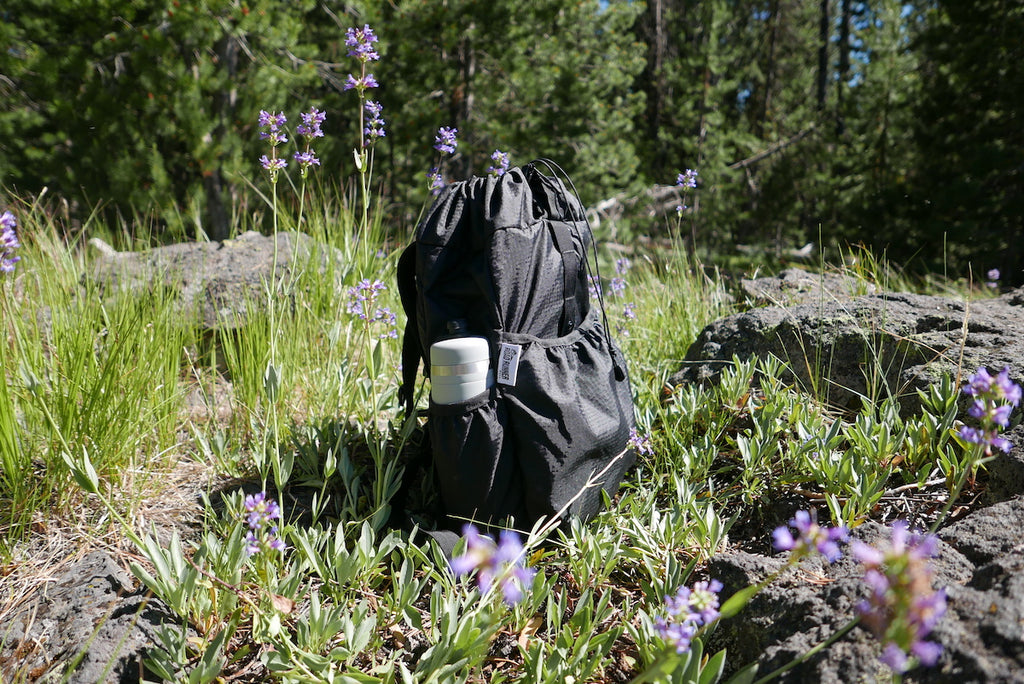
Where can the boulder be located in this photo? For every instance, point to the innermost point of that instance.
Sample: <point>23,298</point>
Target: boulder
<point>980,563</point>
<point>848,347</point>
<point>90,625</point>
<point>846,344</point>
<point>224,281</point>
<point>797,286</point>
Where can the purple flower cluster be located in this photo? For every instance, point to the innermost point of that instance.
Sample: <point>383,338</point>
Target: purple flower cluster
<point>501,565</point>
<point>310,126</point>
<point>687,612</point>
<point>641,444</point>
<point>360,43</point>
<point>993,277</point>
<point>272,130</point>
<point>500,163</point>
<point>374,127</point>
<point>811,538</point>
<point>272,126</point>
<point>262,535</point>
<point>902,607</point>
<point>688,179</point>
<point>994,401</point>
<point>361,84</point>
<point>362,303</point>
<point>445,141</point>
<point>436,181</point>
<point>8,242</point>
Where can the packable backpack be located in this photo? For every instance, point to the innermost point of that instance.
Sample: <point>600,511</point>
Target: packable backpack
<point>506,259</point>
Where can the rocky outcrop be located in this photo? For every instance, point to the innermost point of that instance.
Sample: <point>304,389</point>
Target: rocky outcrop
<point>90,625</point>
<point>224,281</point>
<point>980,563</point>
<point>845,347</point>
<point>830,334</point>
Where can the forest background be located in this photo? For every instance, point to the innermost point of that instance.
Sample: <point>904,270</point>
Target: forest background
<point>892,124</point>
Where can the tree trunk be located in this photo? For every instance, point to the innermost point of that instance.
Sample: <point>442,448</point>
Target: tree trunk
<point>844,63</point>
<point>823,35</point>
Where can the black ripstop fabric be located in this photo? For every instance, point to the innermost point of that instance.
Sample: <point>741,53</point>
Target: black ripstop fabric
<point>505,258</point>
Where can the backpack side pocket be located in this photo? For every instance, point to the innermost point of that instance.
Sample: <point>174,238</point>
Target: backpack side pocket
<point>478,476</point>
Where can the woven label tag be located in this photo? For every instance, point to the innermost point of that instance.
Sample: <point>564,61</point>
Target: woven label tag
<point>508,363</point>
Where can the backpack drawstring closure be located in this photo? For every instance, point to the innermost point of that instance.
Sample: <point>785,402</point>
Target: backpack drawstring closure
<point>556,170</point>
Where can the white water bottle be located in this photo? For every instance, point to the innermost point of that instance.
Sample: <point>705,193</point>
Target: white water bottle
<point>460,369</point>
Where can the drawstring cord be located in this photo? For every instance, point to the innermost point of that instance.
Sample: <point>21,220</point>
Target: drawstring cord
<point>556,170</point>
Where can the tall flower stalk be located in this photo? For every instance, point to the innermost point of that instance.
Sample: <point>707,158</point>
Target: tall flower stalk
<point>993,400</point>
<point>902,607</point>
<point>361,45</point>
<point>686,182</point>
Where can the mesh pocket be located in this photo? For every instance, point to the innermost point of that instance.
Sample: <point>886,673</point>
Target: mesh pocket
<point>570,419</point>
<point>477,472</point>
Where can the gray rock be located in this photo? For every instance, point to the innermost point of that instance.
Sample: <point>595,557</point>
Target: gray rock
<point>797,286</point>
<point>990,533</point>
<point>224,281</point>
<point>833,347</point>
<point>89,626</point>
<point>981,632</point>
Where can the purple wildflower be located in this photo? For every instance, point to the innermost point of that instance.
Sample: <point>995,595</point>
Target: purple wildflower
<point>436,181</point>
<point>617,286</point>
<point>675,634</point>
<point>306,160</point>
<point>629,311</point>
<point>360,84</point>
<point>902,608</point>
<point>622,265</point>
<point>387,317</point>
<point>497,565</point>
<point>310,126</point>
<point>994,401</point>
<point>641,444</point>
<point>811,537</point>
<point>374,128</point>
<point>272,163</point>
<point>262,535</point>
<point>8,242</point>
<point>993,277</point>
<point>272,127</point>
<point>445,140</point>
<point>594,285</point>
<point>688,179</point>
<point>261,509</point>
<point>362,303</point>
<point>500,165</point>
<point>360,43</point>
<point>686,612</point>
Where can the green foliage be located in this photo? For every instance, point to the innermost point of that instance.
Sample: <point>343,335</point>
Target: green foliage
<point>825,122</point>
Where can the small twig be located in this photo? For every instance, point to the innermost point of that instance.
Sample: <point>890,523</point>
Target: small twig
<point>230,587</point>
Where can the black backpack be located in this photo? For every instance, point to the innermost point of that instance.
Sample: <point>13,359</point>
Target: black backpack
<point>506,258</point>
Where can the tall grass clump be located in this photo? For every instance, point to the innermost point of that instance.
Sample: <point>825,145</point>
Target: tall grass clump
<point>89,369</point>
